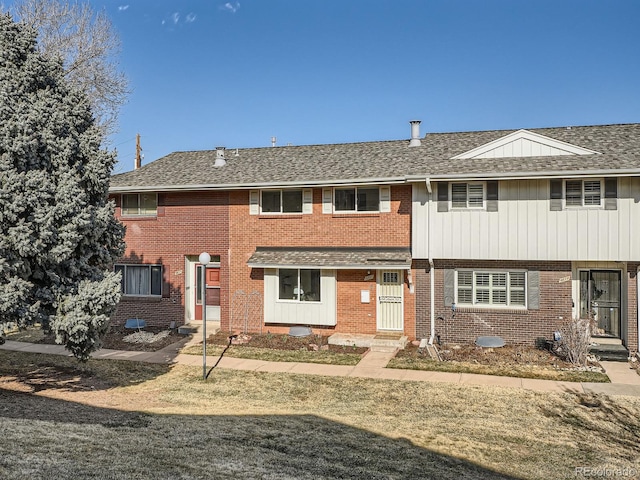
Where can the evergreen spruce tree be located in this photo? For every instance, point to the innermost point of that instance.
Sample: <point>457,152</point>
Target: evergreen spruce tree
<point>59,236</point>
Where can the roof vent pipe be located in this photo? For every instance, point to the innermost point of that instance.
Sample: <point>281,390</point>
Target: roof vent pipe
<point>220,161</point>
<point>415,133</point>
<point>273,141</point>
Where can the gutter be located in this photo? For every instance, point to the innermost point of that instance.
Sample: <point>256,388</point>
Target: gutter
<point>627,172</point>
<point>379,180</point>
<point>251,186</point>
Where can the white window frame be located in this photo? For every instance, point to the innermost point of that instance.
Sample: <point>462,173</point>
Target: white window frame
<point>297,290</point>
<point>583,194</point>
<point>123,283</point>
<point>139,212</point>
<point>363,187</point>
<point>491,288</point>
<point>281,191</point>
<point>468,206</point>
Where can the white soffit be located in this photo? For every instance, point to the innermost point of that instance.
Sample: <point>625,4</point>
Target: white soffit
<point>524,143</point>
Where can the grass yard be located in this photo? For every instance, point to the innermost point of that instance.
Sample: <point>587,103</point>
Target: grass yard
<point>125,420</point>
<point>275,355</point>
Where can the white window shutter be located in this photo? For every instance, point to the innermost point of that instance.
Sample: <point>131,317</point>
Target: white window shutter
<point>254,202</point>
<point>327,200</point>
<point>307,200</point>
<point>385,199</point>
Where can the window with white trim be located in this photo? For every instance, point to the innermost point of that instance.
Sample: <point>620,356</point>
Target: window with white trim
<point>467,195</point>
<point>281,201</point>
<point>299,285</point>
<point>139,203</point>
<point>140,280</point>
<point>491,288</point>
<point>583,193</point>
<point>357,199</point>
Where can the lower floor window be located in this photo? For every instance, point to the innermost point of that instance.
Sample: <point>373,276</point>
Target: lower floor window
<point>140,279</point>
<point>302,285</point>
<point>491,288</point>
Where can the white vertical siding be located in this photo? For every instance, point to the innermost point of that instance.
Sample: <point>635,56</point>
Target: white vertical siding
<point>524,228</point>
<point>522,147</point>
<point>306,313</point>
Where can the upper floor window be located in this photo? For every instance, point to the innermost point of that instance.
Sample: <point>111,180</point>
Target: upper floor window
<point>357,199</point>
<point>300,285</point>
<point>583,193</point>
<point>491,288</point>
<point>141,280</point>
<point>139,203</point>
<point>467,195</point>
<point>281,201</point>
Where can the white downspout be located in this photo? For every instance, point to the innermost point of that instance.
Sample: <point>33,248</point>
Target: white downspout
<point>432,287</point>
<point>638,310</point>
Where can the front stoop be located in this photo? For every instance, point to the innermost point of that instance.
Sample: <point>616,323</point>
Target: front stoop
<point>609,352</point>
<point>195,327</point>
<point>382,342</point>
<point>388,342</point>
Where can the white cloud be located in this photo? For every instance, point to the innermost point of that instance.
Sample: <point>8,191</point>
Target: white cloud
<point>122,8</point>
<point>231,7</point>
<point>176,19</point>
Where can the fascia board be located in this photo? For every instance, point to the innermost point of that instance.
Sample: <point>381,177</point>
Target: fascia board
<point>368,266</point>
<point>528,175</point>
<point>250,186</point>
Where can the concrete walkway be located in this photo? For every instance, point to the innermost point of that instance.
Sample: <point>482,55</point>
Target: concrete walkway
<point>624,380</point>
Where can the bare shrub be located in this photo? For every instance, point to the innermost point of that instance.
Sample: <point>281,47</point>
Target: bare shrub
<point>575,338</point>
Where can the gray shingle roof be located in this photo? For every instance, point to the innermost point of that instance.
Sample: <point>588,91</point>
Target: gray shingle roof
<point>619,147</point>
<point>331,257</point>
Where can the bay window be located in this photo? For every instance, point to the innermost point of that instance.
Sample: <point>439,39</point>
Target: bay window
<point>301,285</point>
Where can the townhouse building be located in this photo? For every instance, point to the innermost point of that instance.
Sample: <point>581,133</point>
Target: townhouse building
<point>447,236</point>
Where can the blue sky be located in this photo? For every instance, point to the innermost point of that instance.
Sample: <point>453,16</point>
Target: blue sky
<point>216,73</point>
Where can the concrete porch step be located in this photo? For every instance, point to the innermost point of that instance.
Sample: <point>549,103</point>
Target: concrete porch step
<point>608,352</point>
<point>381,342</point>
<point>195,327</point>
<point>606,340</point>
<point>388,342</point>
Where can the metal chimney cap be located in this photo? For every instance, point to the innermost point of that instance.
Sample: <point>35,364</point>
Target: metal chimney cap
<point>415,133</point>
<point>220,161</point>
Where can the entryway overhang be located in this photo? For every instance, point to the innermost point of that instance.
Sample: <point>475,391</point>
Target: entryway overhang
<point>338,258</point>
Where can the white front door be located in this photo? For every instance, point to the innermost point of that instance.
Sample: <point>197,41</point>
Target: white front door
<point>390,300</point>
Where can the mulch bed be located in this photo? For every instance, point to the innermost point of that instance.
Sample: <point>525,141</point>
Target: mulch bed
<point>115,339</point>
<point>509,355</point>
<point>283,342</point>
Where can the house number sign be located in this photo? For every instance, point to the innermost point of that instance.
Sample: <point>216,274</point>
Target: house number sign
<point>390,299</point>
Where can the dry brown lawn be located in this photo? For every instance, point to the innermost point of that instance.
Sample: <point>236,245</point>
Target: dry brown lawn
<point>117,420</point>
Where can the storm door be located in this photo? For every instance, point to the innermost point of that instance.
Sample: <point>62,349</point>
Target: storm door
<point>212,282</point>
<point>390,300</point>
<point>600,299</point>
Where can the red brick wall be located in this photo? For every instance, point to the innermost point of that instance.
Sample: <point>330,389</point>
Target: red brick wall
<point>515,326</point>
<point>187,224</point>
<point>322,230</point>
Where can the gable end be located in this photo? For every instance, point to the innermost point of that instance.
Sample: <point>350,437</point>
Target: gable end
<point>524,143</point>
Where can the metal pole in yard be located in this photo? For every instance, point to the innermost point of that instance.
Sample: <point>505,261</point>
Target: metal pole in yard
<point>204,259</point>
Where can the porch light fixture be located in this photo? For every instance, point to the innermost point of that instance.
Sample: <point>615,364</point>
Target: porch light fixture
<point>204,260</point>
